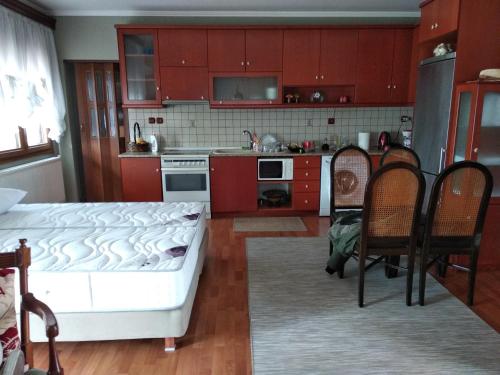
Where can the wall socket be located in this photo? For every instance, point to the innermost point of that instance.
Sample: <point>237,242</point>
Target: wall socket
<point>405,118</point>
<point>331,120</point>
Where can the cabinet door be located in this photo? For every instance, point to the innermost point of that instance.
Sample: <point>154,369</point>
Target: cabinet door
<point>373,76</point>
<point>339,49</point>
<point>447,16</point>
<point>264,50</point>
<point>427,21</point>
<point>301,49</point>
<point>139,67</point>
<point>403,42</point>
<point>226,50</point>
<point>184,83</point>
<point>141,179</point>
<point>233,184</point>
<point>182,47</point>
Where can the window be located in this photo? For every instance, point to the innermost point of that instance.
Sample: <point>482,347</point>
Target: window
<point>32,106</point>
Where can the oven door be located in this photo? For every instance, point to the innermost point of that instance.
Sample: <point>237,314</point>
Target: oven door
<point>271,169</point>
<point>186,185</point>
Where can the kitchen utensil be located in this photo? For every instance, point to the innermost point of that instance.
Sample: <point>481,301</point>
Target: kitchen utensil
<point>295,148</point>
<point>364,140</point>
<point>317,97</point>
<point>139,144</point>
<point>276,197</point>
<point>268,142</point>
<point>384,139</point>
<point>271,93</point>
<point>308,145</point>
<point>325,146</point>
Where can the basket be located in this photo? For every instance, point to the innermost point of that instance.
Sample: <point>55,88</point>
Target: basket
<point>137,147</point>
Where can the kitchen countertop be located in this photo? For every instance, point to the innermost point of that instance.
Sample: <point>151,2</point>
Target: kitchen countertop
<point>235,152</point>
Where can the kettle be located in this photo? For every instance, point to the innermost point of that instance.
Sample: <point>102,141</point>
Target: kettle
<point>384,139</point>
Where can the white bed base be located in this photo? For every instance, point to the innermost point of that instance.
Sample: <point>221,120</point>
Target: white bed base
<point>124,325</point>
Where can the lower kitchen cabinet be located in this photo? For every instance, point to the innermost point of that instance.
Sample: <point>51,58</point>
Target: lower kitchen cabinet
<point>233,184</point>
<point>306,183</point>
<point>141,179</point>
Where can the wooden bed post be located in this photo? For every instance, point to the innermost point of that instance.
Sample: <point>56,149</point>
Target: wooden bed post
<point>23,255</point>
<point>169,344</point>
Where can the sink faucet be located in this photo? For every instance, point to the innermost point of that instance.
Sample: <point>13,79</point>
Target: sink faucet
<point>250,136</point>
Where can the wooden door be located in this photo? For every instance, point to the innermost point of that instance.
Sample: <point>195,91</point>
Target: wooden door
<point>403,43</point>
<point>374,68</point>
<point>141,179</point>
<point>339,50</point>
<point>301,50</point>
<point>139,68</point>
<point>233,184</point>
<point>226,50</point>
<point>99,131</point>
<point>184,83</point>
<point>182,47</point>
<point>447,16</point>
<point>264,50</point>
<point>428,20</point>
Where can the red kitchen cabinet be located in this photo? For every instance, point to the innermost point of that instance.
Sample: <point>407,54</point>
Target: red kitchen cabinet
<point>233,184</point>
<point>301,52</point>
<point>306,183</point>
<point>375,56</point>
<point>139,67</point>
<point>439,18</point>
<point>182,47</point>
<point>226,50</point>
<point>184,83</point>
<point>401,64</point>
<point>264,50</point>
<point>141,179</point>
<point>339,49</point>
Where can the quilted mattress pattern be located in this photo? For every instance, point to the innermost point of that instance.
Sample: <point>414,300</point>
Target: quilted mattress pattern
<point>88,215</point>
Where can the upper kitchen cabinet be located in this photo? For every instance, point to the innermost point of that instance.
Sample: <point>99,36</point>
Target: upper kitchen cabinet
<point>439,18</point>
<point>301,54</point>
<point>139,67</point>
<point>182,47</point>
<point>250,50</point>
<point>184,83</point>
<point>384,60</point>
<point>338,57</point>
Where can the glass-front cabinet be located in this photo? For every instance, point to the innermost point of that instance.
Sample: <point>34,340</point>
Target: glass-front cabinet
<point>139,67</point>
<point>475,132</point>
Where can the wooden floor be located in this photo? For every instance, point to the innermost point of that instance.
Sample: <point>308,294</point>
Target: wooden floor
<point>218,341</point>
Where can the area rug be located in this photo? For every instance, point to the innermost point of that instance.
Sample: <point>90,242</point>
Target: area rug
<point>268,224</point>
<point>304,321</point>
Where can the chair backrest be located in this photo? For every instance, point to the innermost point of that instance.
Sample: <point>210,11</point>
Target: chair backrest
<point>400,153</point>
<point>350,170</point>
<point>458,201</point>
<point>392,205</point>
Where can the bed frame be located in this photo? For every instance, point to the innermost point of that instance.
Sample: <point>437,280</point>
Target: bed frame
<point>124,325</point>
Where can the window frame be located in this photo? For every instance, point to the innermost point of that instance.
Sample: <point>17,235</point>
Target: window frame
<point>26,151</point>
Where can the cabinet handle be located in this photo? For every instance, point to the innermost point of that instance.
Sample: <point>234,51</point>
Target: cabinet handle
<point>183,62</point>
<point>242,63</point>
<point>202,97</point>
<point>248,63</point>
<point>316,77</point>
<point>167,97</point>
<point>157,88</point>
<point>436,26</point>
<point>212,169</point>
<point>388,86</point>
<point>322,77</point>
<point>157,170</point>
<point>306,201</point>
<point>307,186</point>
<point>220,101</point>
<point>476,150</point>
<point>393,86</point>
<point>307,173</point>
<point>307,161</point>
<point>432,27</point>
<point>270,102</point>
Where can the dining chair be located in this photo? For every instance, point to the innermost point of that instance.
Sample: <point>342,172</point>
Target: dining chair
<point>400,153</point>
<point>350,169</point>
<point>455,217</point>
<point>391,215</point>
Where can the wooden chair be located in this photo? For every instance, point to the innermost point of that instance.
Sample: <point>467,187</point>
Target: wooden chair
<point>21,259</point>
<point>455,218</point>
<point>400,153</point>
<point>391,214</point>
<point>350,170</point>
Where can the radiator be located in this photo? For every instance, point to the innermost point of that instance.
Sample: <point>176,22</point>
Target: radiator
<point>42,179</point>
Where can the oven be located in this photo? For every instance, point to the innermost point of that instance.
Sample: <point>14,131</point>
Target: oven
<point>275,169</point>
<point>186,178</point>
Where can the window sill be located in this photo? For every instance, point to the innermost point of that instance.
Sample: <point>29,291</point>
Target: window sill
<point>34,162</point>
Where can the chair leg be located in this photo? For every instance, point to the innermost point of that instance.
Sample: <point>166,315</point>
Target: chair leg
<point>423,274</point>
<point>361,285</point>
<point>472,277</point>
<point>340,271</point>
<point>331,247</point>
<point>442,268</point>
<point>409,278</point>
<point>389,271</point>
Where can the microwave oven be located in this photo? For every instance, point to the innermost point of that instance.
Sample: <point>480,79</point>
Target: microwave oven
<point>275,169</point>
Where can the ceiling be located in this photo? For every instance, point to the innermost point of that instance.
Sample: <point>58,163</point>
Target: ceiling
<point>233,8</point>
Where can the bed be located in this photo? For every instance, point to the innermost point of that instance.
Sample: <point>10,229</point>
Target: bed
<point>112,270</point>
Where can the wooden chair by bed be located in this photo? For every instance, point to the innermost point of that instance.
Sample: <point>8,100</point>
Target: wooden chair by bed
<point>400,153</point>
<point>21,259</point>
<point>350,170</point>
<point>391,215</point>
<point>455,217</point>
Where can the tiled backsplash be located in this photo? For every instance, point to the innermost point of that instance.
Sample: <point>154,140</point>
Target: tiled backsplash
<point>197,125</point>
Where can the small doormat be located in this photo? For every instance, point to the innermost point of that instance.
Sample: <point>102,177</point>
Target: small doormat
<point>269,224</point>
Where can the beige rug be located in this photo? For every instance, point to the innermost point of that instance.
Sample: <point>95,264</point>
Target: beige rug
<point>268,224</point>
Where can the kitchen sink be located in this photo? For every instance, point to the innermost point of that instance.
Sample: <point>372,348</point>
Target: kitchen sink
<point>234,151</point>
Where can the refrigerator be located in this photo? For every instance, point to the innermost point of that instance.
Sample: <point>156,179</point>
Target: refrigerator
<point>432,111</point>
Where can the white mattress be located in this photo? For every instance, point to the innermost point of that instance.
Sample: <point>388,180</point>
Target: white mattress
<point>89,215</point>
<point>98,269</point>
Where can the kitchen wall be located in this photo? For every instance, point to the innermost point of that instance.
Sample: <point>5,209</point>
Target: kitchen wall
<point>197,125</point>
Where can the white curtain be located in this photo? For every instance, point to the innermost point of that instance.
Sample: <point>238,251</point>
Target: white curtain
<point>30,85</point>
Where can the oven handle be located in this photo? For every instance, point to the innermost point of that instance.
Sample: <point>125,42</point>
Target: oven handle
<point>184,170</point>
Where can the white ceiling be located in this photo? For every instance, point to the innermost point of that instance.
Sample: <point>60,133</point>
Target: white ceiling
<point>229,8</point>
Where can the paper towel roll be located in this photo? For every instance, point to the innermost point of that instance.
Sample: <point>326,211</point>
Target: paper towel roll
<point>364,140</point>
